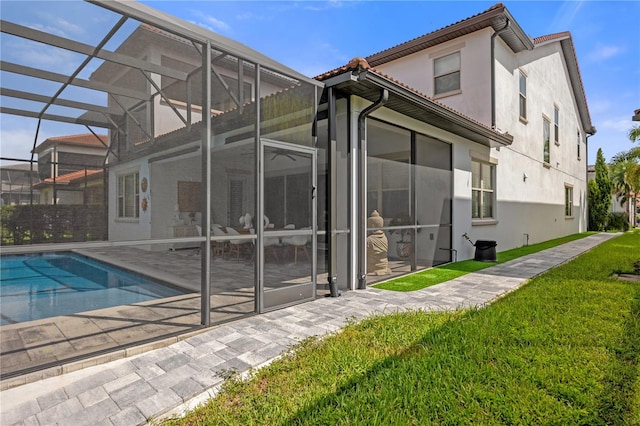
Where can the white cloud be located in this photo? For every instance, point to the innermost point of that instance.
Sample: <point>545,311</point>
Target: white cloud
<point>619,124</point>
<point>51,23</point>
<point>566,14</point>
<point>16,143</point>
<point>210,22</point>
<point>603,52</point>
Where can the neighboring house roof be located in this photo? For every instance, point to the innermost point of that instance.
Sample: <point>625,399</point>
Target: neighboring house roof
<point>500,20</point>
<point>359,78</point>
<point>636,115</point>
<point>193,32</point>
<point>71,178</point>
<point>85,140</point>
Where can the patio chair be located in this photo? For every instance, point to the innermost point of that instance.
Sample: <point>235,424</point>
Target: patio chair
<point>219,247</point>
<point>237,246</point>
<point>297,243</point>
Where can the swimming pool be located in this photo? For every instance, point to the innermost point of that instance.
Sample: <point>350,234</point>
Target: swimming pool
<point>46,285</point>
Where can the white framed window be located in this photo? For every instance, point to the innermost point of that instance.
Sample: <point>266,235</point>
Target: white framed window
<point>446,73</point>
<point>546,136</point>
<point>578,142</point>
<point>568,200</point>
<point>482,190</point>
<point>129,196</point>
<point>556,125</point>
<point>523,96</point>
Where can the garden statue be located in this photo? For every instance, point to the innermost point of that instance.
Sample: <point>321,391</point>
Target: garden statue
<point>377,247</point>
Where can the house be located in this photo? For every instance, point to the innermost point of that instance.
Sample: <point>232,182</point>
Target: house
<point>82,187</point>
<point>65,154</point>
<point>289,185</point>
<point>16,180</point>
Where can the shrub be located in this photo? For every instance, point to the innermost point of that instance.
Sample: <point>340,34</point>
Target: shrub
<point>618,221</point>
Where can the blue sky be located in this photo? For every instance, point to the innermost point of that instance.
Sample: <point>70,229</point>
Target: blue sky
<point>316,36</point>
<point>313,37</point>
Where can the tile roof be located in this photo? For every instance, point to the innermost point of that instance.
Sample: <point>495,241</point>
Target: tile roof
<point>72,177</point>
<point>359,63</point>
<point>87,139</point>
<point>497,6</point>
<point>551,37</point>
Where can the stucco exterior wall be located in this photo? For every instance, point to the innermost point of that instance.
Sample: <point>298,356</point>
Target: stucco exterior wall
<point>531,207</point>
<point>535,205</point>
<point>474,97</point>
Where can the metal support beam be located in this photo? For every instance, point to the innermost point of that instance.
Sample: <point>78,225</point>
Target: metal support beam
<point>205,279</point>
<point>62,78</point>
<point>332,197</point>
<point>86,49</point>
<point>18,94</point>
<point>85,62</point>
<point>164,97</point>
<point>53,117</point>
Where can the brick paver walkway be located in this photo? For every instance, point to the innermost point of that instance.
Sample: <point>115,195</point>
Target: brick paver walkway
<point>166,381</point>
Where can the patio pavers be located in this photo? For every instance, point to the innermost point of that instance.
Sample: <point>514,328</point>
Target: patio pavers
<point>165,381</point>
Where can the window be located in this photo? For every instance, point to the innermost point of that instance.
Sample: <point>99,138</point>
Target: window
<point>568,201</point>
<point>523,96</point>
<point>482,189</point>
<point>556,125</point>
<point>446,73</point>
<point>578,141</point>
<point>546,134</point>
<point>128,196</point>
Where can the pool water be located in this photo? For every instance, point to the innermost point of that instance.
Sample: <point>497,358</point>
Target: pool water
<point>46,285</point>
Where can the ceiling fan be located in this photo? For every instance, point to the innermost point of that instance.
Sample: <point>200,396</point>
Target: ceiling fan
<point>282,153</point>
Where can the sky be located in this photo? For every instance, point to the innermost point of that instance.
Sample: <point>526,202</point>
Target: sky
<point>316,36</point>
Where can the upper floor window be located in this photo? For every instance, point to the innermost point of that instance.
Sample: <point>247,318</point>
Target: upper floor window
<point>446,73</point>
<point>523,96</point>
<point>556,125</point>
<point>546,135</point>
<point>128,196</point>
<point>578,141</point>
<point>482,190</point>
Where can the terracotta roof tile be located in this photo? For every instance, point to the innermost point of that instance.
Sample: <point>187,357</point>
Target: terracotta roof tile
<point>362,64</point>
<point>70,177</point>
<point>497,6</point>
<point>551,37</point>
<point>87,139</point>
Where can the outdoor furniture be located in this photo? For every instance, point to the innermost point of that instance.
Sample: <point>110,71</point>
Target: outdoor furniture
<point>237,246</point>
<point>219,247</point>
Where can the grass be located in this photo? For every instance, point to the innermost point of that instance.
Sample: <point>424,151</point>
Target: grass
<point>447,272</point>
<point>563,349</point>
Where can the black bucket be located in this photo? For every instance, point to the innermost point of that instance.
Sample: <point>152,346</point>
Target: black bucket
<point>486,251</point>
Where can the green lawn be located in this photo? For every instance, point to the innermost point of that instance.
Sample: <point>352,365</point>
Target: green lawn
<point>564,349</point>
<point>447,272</point>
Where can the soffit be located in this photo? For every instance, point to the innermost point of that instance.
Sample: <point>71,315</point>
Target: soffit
<point>402,99</point>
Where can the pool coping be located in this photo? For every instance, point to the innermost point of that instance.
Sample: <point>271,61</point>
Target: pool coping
<point>111,355</point>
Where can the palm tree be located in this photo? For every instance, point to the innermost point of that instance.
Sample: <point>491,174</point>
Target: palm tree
<point>625,179</point>
<point>634,133</point>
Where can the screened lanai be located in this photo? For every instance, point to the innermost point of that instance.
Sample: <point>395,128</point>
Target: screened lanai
<point>220,205</point>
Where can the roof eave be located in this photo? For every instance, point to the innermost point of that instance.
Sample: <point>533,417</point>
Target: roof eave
<point>450,120</point>
<point>496,18</point>
<point>569,53</point>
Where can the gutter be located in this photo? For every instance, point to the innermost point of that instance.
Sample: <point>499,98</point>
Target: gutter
<point>493,72</point>
<point>362,187</point>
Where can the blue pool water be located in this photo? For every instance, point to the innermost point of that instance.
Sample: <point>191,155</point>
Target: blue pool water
<point>47,285</point>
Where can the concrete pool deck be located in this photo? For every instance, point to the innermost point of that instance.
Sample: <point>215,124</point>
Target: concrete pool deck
<point>169,380</point>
